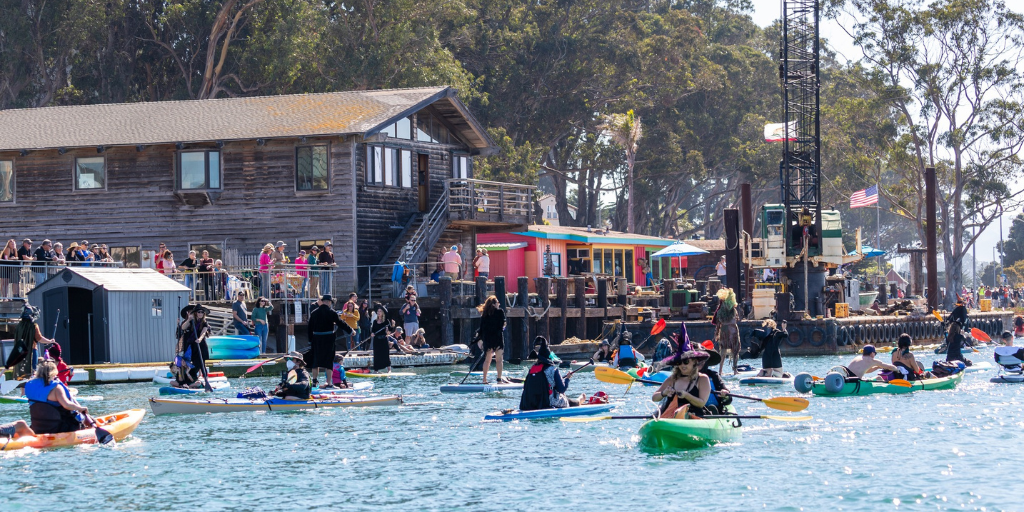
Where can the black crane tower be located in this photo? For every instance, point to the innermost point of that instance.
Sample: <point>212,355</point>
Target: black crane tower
<point>799,170</point>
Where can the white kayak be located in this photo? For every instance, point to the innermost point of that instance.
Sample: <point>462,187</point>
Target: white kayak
<point>353,387</point>
<point>480,388</point>
<point>765,381</point>
<point>979,367</point>
<point>583,367</point>
<point>178,406</point>
<point>581,410</point>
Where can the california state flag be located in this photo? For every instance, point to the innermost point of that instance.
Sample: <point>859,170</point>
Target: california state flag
<point>776,132</point>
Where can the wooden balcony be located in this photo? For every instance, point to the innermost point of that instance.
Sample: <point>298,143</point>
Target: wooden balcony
<point>478,203</point>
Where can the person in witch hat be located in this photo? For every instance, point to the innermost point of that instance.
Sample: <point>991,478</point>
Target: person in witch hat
<point>193,349</point>
<point>685,393</point>
<point>26,337</point>
<point>718,397</point>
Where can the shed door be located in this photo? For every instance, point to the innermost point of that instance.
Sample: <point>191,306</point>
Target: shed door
<point>79,315</point>
<point>55,302</point>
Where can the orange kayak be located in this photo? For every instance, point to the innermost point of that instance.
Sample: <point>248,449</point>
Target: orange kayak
<point>119,424</point>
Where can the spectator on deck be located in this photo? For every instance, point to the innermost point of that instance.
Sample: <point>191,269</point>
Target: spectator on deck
<point>452,263</point>
<point>325,260</point>
<point>265,261</point>
<point>43,258</point>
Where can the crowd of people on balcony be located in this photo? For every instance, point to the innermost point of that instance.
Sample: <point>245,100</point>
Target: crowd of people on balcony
<point>40,261</point>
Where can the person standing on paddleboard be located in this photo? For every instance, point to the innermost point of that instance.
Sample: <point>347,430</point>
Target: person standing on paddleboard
<point>492,328</point>
<point>193,347</point>
<point>771,353</point>
<point>380,330</point>
<point>26,337</point>
<point>321,332</point>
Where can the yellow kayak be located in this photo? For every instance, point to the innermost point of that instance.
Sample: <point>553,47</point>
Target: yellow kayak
<point>119,424</point>
<point>359,375</point>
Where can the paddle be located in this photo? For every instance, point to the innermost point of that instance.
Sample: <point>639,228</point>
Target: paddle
<point>470,372</point>
<point>980,335</point>
<point>102,435</point>
<point>588,419</point>
<point>903,383</point>
<point>658,327</point>
<point>782,403</point>
<point>6,386</point>
<point>613,376</point>
<point>257,365</point>
<point>580,368</point>
<point>202,362</point>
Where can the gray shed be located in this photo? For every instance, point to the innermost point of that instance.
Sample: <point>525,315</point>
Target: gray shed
<point>117,315</point>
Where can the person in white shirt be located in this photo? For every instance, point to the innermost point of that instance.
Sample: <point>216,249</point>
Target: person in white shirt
<point>720,269</point>
<point>483,264</point>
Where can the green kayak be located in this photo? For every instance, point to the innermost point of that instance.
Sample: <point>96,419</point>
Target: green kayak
<point>671,434</point>
<point>871,387</point>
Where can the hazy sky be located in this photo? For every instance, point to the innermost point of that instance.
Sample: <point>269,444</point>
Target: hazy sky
<point>767,11</point>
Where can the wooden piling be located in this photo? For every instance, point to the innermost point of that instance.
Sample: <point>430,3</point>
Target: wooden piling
<point>669,285</point>
<point>499,292</point>
<point>481,290</point>
<point>543,293</point>
<point>621,290</point>
<point>562,301</point>
<point>445,294</point>
<point>581,303</point>
<point>522,344</point>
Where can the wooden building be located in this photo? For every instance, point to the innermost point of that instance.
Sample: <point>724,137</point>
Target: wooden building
<point>116,315</point>
<point>379,173</point>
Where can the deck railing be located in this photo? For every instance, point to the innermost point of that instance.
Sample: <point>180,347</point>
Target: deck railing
<point>490,201</point>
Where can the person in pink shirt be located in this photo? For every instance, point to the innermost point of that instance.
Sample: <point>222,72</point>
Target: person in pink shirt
<point>265,261</point>
<point>452,262</point>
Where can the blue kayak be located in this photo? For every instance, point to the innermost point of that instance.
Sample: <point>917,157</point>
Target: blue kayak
<point>214,384</point>
<point>233,342</point>
<point>582,410</point>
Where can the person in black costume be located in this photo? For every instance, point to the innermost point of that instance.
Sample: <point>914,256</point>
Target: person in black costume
<point>771,353</point>
<point>295,380</point>
<point>492,328</point>
<point>192,344</point>
<point>321,332</point>
<point>380,329</point>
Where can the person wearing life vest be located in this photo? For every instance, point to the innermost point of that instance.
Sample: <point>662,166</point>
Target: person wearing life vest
<point>718,397</point>
<point>295,382</point>
<point>686,392</point>
<point>51,407</point>
<point>626,356</point>
<point>544,387</point>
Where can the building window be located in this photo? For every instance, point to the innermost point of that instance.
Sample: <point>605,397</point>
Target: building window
<point>90,173</point>
<point>129,256</point>
<point>579,261</point>
<point>311,168</point>
<point>389,166</point>
<point>406,163</point>
<point>158,308</point>
<point>6,181</point>
<point>306,245</point>
<point>214,249</point>
<point>461,166</point>
<point>375,164</point>
<point>198,170</point>
<point>429,129</point>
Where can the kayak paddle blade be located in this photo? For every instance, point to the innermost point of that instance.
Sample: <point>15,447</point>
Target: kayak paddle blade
<point>787,403</point>
<point>104,437</point>
<point>6,386</point>
<point>788,418</point>
<point>980,335</point>
<point>658,327</point>
<point>612,376</point>
<point>937,315</point>
<point>903,383</point>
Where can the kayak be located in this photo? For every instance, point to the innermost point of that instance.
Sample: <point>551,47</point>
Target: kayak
<point>166,378</point>
<point>673,434</point>
<point>765,381</point>
<point>1008,378</point>
<point>233,343</point>
<point>180,406</point>
<point>360,375</point>
<point>234,353</point>
<point>216,385</point>
<point>871,387</point>
<point>582,410</point>
<point>740,375</point>
<point>119,424</point>
<point>480,388</point>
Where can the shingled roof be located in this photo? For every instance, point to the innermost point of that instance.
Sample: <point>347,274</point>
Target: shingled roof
<point>261,117</point>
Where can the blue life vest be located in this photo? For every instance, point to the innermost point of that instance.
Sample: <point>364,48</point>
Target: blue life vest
<point>627,356</point>
<point>35,391</point>
<point>712,398</point>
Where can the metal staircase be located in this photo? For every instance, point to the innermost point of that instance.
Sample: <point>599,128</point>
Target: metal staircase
<point>413,246</point>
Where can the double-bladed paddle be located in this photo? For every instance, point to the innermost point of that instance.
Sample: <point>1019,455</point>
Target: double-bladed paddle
<point>782,403</point>
<point>588,419</point>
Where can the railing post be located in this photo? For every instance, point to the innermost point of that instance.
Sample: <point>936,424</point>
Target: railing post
<point>445,293</point>
<point>501,202</point>
<point>472,200</point>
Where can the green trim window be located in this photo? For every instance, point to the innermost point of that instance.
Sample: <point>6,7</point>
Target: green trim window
<point>198,170</point>
<point>311,168</point>
<point>90,173</point>
<point>6,181</point>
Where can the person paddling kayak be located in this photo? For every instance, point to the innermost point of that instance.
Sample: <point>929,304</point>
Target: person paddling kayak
<point>295,381</point>
<point>51,407</point>
<point>904,360</point>
<point>686,392</point>
<point>544,387</point>
<point>604,352</point>
<point>866,363</point>
<point>955,340</point>
<point>718,397</point>
<point>626,356</point>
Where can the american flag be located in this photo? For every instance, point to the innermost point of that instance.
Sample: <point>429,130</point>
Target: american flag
<point>866,197</point>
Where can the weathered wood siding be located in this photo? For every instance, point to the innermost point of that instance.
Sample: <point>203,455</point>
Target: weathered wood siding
<point>257,203</point>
